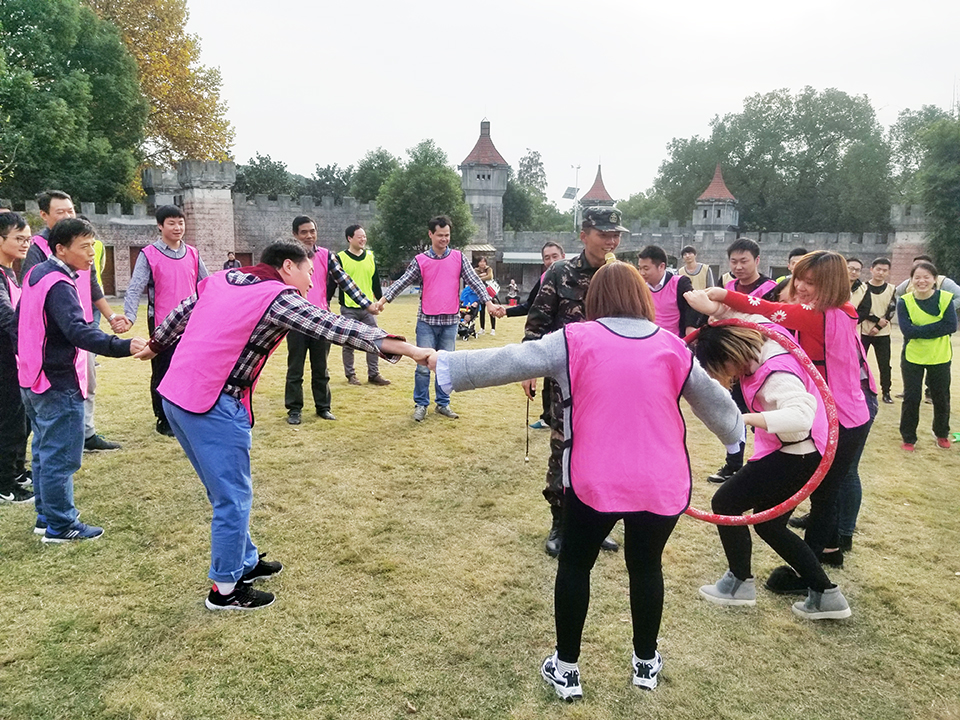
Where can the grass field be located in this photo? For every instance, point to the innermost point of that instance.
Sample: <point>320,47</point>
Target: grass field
<point>415,582</point>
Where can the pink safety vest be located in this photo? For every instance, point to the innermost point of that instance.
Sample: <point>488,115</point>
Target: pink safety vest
<point>215,337</point>
<point>759,291</point>
<point>174,280</point>
<point>665,303</point>
<point>440,293</point>
<point>765,442</point>
<point>321,270</point>
<point>82,284</point>
<point>32,334</point>
<point>13,290</point>
<point>628,450</point>
<point>843,359</point>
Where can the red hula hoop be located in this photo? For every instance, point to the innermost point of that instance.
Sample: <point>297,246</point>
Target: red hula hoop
<point>831,449</point>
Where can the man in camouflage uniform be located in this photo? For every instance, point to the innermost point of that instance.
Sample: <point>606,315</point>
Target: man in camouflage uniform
<point>561,301</point>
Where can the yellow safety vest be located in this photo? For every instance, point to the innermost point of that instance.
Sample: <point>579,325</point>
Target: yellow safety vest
<point>928,351</point>
<point>361,272</point>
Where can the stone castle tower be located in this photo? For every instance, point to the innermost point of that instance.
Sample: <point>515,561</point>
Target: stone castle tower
<point>716,207</point>
<point>597,194</point>
<point>484,181</point>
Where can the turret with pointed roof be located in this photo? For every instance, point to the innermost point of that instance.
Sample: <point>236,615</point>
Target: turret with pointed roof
<point>597,194</point>
<point>483,177</point>
<point>716,206</point>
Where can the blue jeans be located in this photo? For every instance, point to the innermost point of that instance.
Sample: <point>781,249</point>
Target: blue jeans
<point>851,491</point>
<point>56,417</point>
<point>438,337</point>
<point>217,443</point>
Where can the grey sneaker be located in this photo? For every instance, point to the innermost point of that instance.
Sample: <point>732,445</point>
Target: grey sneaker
<point>729,590</point>
<point>446,412</point>
<point>645,671</point>
<point>420,413</point>
<point>827,605</point>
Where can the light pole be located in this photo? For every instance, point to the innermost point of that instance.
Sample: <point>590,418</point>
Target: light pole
<point>576,203</point>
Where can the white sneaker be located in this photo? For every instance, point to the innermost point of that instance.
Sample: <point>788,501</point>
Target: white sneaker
<point>493,332</point>
<point>566,685</point>
<point>645,671</point>
<point>420,413</point>
<point>728,590</point>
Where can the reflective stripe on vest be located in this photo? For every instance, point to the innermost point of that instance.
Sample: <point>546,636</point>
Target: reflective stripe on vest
<point>321,272</point>
<point>32,334</point>
<point>665,303</point>
<point>217,333</point>
<point>174,279</point>
<point>361,272</point>
<point>627,440</point>
<point>440,288</point>
<point>928,351</point>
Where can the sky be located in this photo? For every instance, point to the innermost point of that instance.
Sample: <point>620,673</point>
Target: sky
<point>583,83</point>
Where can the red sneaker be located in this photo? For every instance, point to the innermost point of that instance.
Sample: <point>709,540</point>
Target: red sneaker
<point>943,443</point>
<point>907,446</point>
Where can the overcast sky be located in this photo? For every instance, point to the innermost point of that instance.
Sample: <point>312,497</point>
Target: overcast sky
<point>609,81</point>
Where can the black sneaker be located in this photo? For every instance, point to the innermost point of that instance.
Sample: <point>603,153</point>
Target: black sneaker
<point>262,570</point>
<point>723,474</point>
<point>163,427</point>
<point>293,418</point>
<point>800,521</point>
<point>887,399</point>
<point>243,597</point>
<point>24,479</point>
<point>17,495</point>
<point>97,443</point>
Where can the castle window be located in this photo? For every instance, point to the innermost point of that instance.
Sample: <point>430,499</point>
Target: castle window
<point>718,213</point>
<point>907,211</point>
<point>704,214</point>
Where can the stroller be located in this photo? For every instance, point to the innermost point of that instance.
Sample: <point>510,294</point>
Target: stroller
<point>468,316</point>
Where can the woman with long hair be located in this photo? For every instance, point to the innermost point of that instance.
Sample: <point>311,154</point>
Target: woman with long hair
<point>621,378</point>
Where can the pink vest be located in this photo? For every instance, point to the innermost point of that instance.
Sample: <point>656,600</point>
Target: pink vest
<point>215,337</point>
<point>844,357</point>
<point>321,270</point>
<point>761,290</point>
<point>628,450</point>
<point>665,303</point>
<point>440,289</point>
<point>32,335</point>
<point>764,442</point>
<point>82,284</point>
<point>173,280</point>
<point>13,290</point>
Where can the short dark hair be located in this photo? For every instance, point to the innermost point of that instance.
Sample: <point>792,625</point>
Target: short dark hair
<point>439,221</point>
<point>688,249</point>
<point>68,230</point>
<point>653,252</point>
<point>277,252</point>
<point>743,244</point>
<point>551,243</point>
<point>44,198</point>
<point>856,260</point>
<point>352,230</point>
<point>168,211</point>
<point>301,220</point>
<point>881,261</point>
<point>927,258</point>
<point>230,252</point>
<point>797,252</point>
<point>11,221</point>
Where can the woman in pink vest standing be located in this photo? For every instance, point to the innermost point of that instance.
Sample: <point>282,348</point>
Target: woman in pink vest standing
<point>790,420</point>
<point>622,378</point>
<point>825,324</point>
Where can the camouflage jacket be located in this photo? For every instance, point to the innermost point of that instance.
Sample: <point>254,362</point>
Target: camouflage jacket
<point>562,297</point>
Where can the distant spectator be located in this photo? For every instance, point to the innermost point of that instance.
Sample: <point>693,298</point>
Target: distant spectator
<point>231,262</point>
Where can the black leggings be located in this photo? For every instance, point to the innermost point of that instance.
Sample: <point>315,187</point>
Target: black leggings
<point>760,485</point>
<point>644,538</point>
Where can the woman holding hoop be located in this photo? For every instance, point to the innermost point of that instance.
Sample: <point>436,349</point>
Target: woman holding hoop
<point>791,426</point>
<point>826,329</point>
<point>622,379</point>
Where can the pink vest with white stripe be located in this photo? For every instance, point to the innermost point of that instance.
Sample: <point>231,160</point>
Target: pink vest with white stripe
<point>82,284</point>
<point>321,270</point>
<point>759,291</point>
<point>665,303</point>
<point>844,358</point>
<point>32,335</point>
<point>174,280</point>
<point>627,441</point>
<point>215,337</point>
<point>765,442</point>
<point>440,293</point>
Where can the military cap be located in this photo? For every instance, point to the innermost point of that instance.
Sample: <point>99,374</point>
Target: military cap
<point>603,219</point>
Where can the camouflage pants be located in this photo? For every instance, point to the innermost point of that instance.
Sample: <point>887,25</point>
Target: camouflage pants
<point>553,492</point>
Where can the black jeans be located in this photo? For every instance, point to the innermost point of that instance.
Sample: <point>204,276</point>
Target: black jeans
<point>13,422</point>
<point>881,347</point>
<point>553,489</point>
<point>938,378</point>
<point>760,485</point>
<point>298,345</point>
<point>644,537</point>
<point>159,366</point>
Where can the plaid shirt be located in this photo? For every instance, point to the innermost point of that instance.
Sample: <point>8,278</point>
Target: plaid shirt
<point>288,311</point>
<point>412,275</point>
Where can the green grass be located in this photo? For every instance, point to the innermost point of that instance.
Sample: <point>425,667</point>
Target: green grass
<point>415,582</point>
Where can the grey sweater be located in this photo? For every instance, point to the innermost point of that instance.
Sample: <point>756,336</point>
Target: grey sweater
<point>471,369</point>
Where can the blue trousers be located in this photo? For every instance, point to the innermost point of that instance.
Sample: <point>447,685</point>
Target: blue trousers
<point>217,443</point>
<point>438,337</point>
<point>56,417</point>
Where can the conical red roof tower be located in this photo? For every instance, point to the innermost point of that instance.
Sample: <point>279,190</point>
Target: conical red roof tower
<point>597,194</point>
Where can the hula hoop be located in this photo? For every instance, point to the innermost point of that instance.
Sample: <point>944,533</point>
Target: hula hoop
<point>833,432</point>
